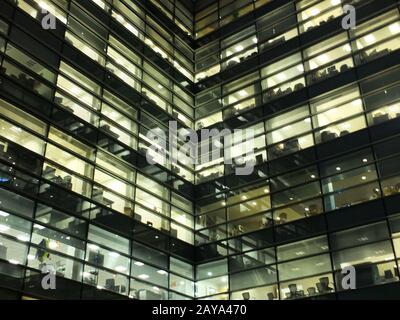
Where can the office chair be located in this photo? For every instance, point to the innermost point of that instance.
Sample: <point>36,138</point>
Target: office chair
<point>389,274</point>
<point>282,217</point>
<point>324,281</point>
<point>246,296</point>
<point>311,291</point>
<point>293,290</point>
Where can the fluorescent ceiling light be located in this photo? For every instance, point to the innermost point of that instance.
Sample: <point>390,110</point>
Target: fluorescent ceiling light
<point>347,48</point>
<point>114,254</point>
<point>4,214</point>
<point>369,38</point>
<point>161,272</point>
<point>23,238</point>
<point>323,58</point>
<point>93,247</point>
<point>243,93</point>
<point>4,228</point>
<point>394,28</point>
<point>281,77</point>
<point>120,269</point>
<point>239,48</point>
<point>315,11</point>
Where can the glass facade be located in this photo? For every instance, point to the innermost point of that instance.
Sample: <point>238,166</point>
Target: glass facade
<point>77,104</point>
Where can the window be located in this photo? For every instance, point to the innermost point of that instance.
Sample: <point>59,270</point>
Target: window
<point>150,274</point>
<point>153,202</point>
<point>314,13</point>
<point>328,58</point>
<point>277,27</point>
<point>304,267</point>
<point>373,260</point>
<point>181,267</point>
<point>181,285</point>
<point>21,137</point>
<point>143,291</point>
<point>359,236</point>
<point>107,192</point>
<point>54,9</point>
<point>87,102</point>
<point>286,118</point>
<point>68,160</point>
<point>346,162</point>
<point>377,37</point>
<point>260,293</point>
<point>311,286</point>
<point>71,143</point>
<point>332,110</point>
<point>13,202</point>
<point>79,78</point>
<point>212,286</point>
<point>208,121</point>
<point>122,67</point>
<point>349,197</point>
<point>107,280</point>
<point>207,72</point>
<point>182,233</point>
<point>48,240</point>
<point>283,77</point>
<point>302,248</point>
<point>287,131</point>
<point>253,278</point>
<point>14,226</point>
<point>129,19</point>
<point>241,50</point>
<point>86,34</point>
<point>15,252</point>
<point>3,27</point>
<point>294,178</point>
<point>247,208</point>
<point>23,118</point>
<point>149,255</point>
<point>296,194</point>
<point>26,80</point>
<point>298,211</point>
<point>110,259</point>
<point>252,259</point>
<point>62,221</point>
<point>30,63</point>
<point>108,239</point>
<point>348,179</point>
<point>212,269</point>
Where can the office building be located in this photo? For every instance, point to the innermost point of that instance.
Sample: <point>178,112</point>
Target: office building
<point>83,82</point>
